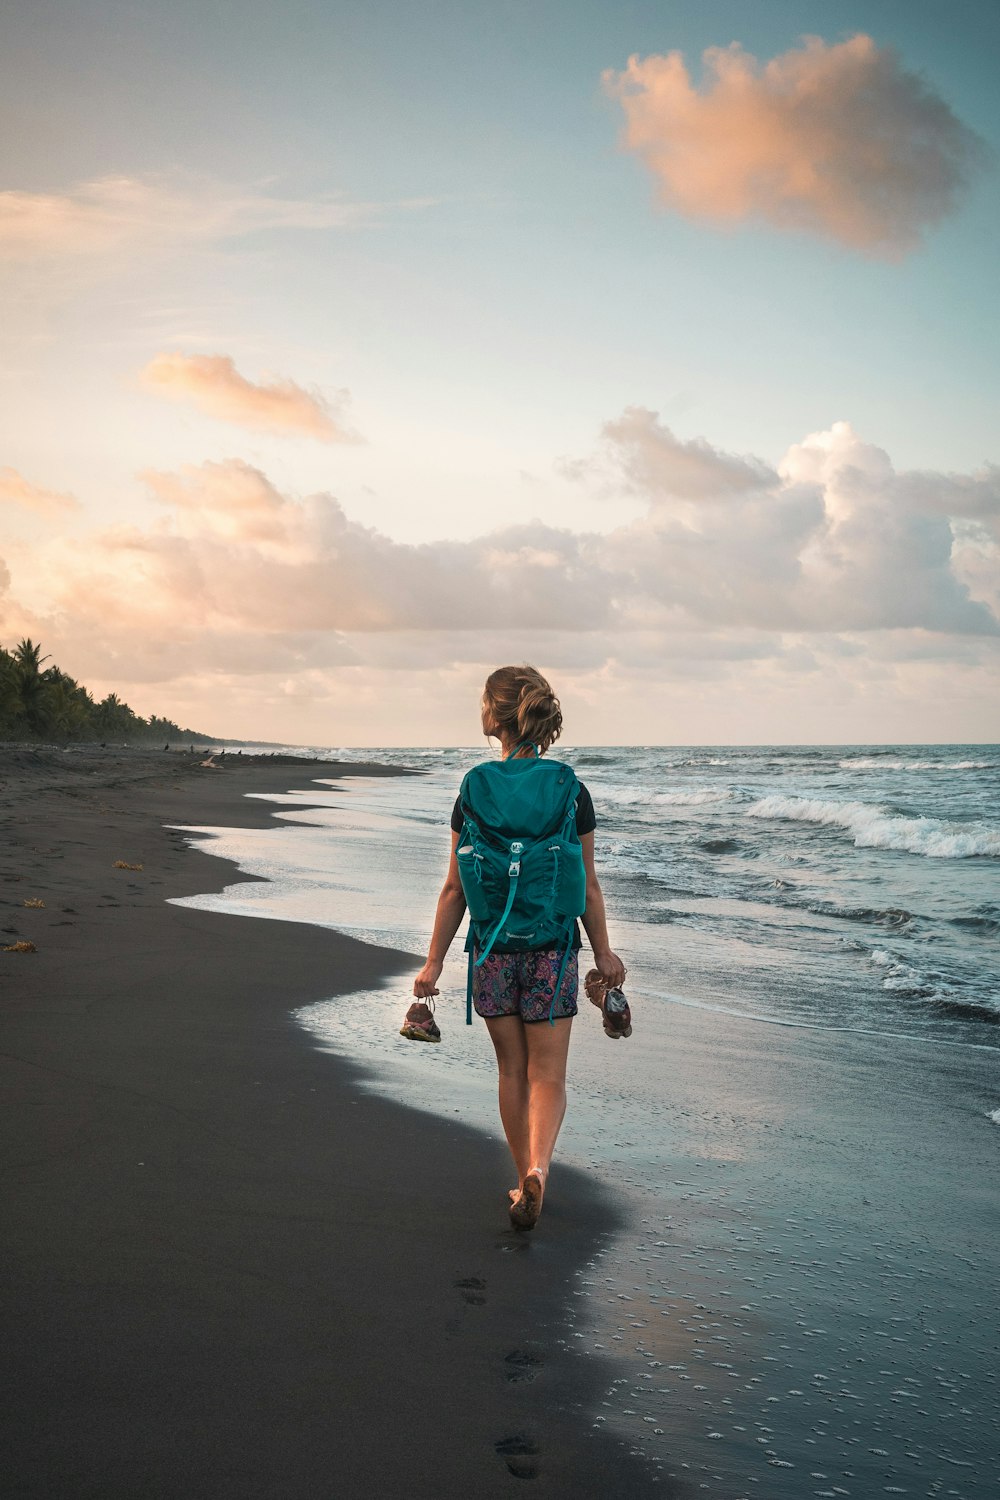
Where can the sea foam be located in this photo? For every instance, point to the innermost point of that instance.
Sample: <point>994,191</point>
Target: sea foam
<point>644,796</point>
<point>884,763</point>
<point>873,828</point>
<point>899,976</point>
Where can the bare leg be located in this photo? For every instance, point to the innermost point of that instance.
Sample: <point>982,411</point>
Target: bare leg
<point>507,1034</point>
<point>547,1047</point>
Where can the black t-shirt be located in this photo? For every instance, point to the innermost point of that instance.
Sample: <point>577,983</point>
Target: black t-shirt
<point>586,818</point>
<point>586,822</point>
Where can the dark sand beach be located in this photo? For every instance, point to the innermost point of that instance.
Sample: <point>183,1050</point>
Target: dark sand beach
<point>227,1271</point>
<point>233,1269</point>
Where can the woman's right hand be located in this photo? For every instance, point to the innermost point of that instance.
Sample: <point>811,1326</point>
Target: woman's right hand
<point>425,984</point>
<point>610,968</point>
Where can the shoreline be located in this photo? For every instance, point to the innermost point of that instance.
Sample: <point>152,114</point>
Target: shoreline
<point>231,1271</point>
<point>783,1184</point>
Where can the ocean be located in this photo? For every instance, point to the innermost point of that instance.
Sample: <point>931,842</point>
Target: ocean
<point>811,935</point>
<point>816,886</point>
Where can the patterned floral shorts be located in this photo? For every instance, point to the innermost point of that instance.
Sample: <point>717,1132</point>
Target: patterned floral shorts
<point>521,984</point>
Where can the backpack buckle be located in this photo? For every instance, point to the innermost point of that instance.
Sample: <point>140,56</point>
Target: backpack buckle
<point>515,868</point>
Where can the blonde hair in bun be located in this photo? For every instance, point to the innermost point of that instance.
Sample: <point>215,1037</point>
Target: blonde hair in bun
<point>520,705</point>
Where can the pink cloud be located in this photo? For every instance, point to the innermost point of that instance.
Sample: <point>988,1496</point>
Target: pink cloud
<point>230,500</point>
<point>118,212</point>
<point>215,386</point>
<point>840,141</point>
<point>828,553</point>
<point>16,490</point>
<point>657,463</point>
<point>833,540</point>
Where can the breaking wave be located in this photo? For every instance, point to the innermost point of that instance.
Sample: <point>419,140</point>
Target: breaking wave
<point>900,977</point>
<point>642,796</point>
<point>876,916</point>
<point>883,763</point>
<point>966,1010</point>
<point>983,924</point>
<point>875,829</point>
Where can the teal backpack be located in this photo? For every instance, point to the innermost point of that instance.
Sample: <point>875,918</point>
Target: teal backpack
<point>520,860</point>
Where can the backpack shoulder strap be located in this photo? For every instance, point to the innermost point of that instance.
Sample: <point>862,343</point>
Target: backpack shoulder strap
<point>572,792</point>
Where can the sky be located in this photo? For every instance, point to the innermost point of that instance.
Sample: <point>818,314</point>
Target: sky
<point>351,350</point>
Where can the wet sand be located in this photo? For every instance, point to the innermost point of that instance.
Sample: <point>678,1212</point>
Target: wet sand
<point>227,1270</point>
<point>804,1306</point>
<point>231,1269</point>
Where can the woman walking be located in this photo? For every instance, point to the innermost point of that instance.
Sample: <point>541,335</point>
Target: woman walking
<point>517,986</point>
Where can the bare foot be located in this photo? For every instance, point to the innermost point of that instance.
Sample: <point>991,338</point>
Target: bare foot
<point>526,1207</point>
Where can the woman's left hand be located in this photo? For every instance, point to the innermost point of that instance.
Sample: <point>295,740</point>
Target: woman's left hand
<point>610,968</point>
<point>425,984</point>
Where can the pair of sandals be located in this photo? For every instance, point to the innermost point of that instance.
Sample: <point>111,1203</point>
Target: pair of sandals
<point>610,1001</point>
<point>420,1025</point>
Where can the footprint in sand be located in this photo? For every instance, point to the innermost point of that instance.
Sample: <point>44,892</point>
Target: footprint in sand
<point>521,1365</point>
<point>472,1289</point>
<point>513,1241</point>
<point>519,1453</point>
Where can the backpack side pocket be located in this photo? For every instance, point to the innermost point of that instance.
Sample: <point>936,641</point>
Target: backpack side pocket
<point>571,881</point>
<point>470,872</point>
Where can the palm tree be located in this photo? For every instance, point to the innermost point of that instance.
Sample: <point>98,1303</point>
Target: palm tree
<point>67,706</point>
<point>10,697</point>
<point>29,656</point>
<point>114,717</point>
<point>31,684</point>
<point>36,701</point>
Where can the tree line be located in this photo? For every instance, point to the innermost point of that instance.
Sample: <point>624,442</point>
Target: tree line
<point>44,703</point>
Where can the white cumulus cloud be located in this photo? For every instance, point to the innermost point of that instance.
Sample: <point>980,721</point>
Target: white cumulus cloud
<point>661,466</point>
<point>831,542</point>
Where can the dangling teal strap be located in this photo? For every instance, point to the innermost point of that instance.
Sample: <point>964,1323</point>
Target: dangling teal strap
<point>506,913</point>
<point>520,746</point>
<point>468,993</point>
<point>562,970</point>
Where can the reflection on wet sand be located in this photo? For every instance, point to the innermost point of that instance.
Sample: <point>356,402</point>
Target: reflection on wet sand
<point>795,1304</point>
